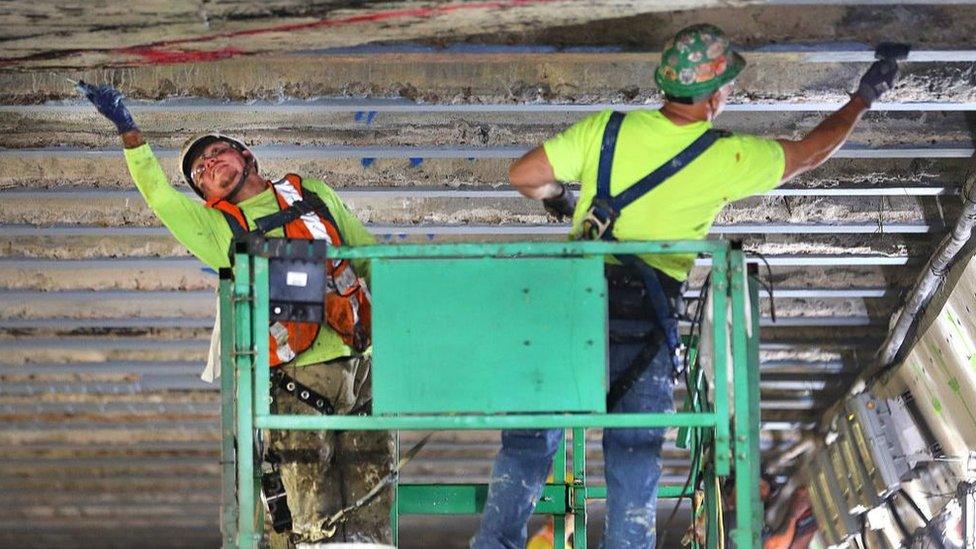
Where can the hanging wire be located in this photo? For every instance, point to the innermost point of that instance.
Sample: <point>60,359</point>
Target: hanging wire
<point>767,284</point>
<point>898,520</point>
<point>934,536</point>
<point>696,447</point>
<point>864,528</point>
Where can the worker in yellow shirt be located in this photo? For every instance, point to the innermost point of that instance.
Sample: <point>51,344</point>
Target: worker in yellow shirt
<point>649,175</point>
<point>318,368</point>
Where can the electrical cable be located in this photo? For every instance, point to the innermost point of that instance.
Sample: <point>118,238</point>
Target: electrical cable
<point>767,285</point>
<point>721,514</point>
<point>864,525</point>
<point>695,391</point>
<point>897,517</point>
<point>927,521</point>
<point>918,510</point>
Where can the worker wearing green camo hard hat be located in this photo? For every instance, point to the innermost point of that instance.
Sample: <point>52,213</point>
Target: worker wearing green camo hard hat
<point>696,63</point>
<point>649,174</point>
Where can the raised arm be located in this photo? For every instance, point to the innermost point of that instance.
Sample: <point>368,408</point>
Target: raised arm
<point>824,140</point>
<point>108,101</point>
<point>203,231</point>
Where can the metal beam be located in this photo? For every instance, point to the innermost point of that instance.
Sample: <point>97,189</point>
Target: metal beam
<point>152,344</point>
<point>850,150</point>
<point>165,407</point>
<point>159,368</point>
<point>144,323</point>
<point>377,105</point>
<point>88,426</point>
<point>138,323</point>
<point>420,193</point>
<point>554,229</point>
<point>806,260</point>
<point>814,293</point>
<point>144,385</point>
<point>34,296</point>
<point>793,322</point>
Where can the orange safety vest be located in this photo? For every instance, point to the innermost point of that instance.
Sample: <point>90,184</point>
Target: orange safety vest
<point>347,299</point>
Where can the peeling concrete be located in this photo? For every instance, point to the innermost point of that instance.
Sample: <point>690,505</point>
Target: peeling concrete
<point>316,125</point>
<point>126,211</point>
<point>482,78</point>
<point>73,330</point>
<point>64,171</point>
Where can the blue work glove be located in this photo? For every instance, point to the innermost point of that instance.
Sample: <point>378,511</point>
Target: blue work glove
<point>879,79</point>
<point>561,205</point>
<point>108,101</point>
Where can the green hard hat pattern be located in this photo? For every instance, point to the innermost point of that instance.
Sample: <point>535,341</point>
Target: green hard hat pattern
<point>697,61</point>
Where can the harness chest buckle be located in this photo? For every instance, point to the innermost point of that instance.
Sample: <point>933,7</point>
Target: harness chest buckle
<point>599,220</point>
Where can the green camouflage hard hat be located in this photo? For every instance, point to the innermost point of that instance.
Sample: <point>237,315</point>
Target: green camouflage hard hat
<point>696,62</point>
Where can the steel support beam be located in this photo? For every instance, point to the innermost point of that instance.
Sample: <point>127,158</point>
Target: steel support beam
<point>850,150</point>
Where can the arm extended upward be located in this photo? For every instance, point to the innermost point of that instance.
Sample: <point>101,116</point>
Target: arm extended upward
<point>823,141</point>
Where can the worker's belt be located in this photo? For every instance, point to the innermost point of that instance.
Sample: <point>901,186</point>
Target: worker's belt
<point>628,295</point>
<point>305,394</point>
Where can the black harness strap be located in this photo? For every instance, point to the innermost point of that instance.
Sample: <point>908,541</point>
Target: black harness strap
<point>310,203</point>
<point>620,386</point>
<point>604,211</point>
<point>235,225</point>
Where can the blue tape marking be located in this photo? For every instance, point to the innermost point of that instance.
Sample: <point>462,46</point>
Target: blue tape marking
<point>367,162</point>
<point>208,270</point>
<point>358,116</point>
<point>370,116</point>
<point>414,162</point>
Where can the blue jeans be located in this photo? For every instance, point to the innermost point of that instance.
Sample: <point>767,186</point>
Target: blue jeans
<point>632,462</point>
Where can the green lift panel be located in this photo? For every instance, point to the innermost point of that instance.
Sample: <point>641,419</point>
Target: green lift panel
<point>478,335</point>
<point>489,336</point>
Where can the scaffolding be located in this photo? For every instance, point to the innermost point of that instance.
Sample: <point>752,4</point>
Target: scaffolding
<point>532,280</point>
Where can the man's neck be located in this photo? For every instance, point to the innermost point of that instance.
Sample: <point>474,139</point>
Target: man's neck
<point>253,186</point>
<point>681,115</point>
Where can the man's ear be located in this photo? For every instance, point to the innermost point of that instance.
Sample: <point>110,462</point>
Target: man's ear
<point>248,157</point>
<point>714,102</point>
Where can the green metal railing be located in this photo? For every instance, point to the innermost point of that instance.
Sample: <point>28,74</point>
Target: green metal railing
<point>730,437</point>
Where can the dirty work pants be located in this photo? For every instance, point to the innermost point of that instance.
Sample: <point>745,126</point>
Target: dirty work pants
<point>632,460</point>
<point>324,471</point>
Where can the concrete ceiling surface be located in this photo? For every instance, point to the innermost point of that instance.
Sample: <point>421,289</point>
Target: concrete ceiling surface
<point>413,111</point>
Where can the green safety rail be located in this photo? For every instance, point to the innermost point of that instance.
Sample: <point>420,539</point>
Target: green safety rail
<point>722,436</point>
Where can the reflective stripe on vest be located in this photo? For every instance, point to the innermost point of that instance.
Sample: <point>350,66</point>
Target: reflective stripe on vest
<point>346,294</point>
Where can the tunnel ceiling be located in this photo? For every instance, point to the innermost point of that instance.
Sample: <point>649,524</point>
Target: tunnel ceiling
<point>412,110</point>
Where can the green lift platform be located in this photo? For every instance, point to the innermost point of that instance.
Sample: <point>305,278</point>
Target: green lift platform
<point>492,313</point>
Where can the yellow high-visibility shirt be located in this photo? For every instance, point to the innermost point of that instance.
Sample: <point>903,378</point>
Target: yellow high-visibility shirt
<point>682,207</point>
<point>205,232</point>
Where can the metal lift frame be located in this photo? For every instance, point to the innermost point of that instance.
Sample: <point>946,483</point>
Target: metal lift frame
<point>733,431</point>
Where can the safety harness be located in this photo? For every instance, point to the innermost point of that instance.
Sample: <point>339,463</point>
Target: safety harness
<point>347,306</point>
<point>598,225</point>
<point>303,215</point>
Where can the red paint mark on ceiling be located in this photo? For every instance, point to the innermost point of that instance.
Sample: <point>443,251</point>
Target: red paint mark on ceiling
<point>154,55</point>
<point>163,52</point>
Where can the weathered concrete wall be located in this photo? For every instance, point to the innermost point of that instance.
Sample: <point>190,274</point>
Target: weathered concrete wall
<point>104,317</point>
